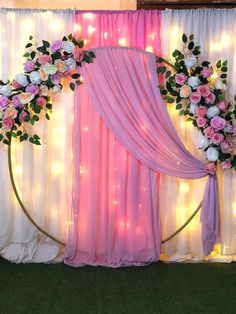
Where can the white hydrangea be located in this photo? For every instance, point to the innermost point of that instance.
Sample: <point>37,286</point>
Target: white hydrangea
<point>212,154</point>
<point>212,112</point>
<point>70,63</point>
<point>49,68</point>
<point>220,85</point>
<point>35,77</point>
<point>56,89</point>
<point>21,79</point>
<point>5,90</point>
<point>193,108</point>
<point>193,81</point>
<point>203,143</point>
<point>68,46</point>
<point>190,62</point>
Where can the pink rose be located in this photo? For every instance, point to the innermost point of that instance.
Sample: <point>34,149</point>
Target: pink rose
<point>201,111</point>
<point>226,165</point>
<point>210,99</point>
<point>227,146</point>
<point>217,138</point>
<point>211,168</point>
<point>41,101</point>
<point>7,123</point>
<point>23,116</point>
<point>206,72</point>
<point>29,66</point>
<point>56,45</point>
<point>43,59</point>
<point>218,123</point>
<point>56,78</point>
<point>78,54</point>
<point>15,84</point>
<point>204,90</point>
<point>16,101</point>
<point>33,89</point>
<point>209,132</point>
<point>3,102</point>
<point>180,78</point>
<point>222,105</point>
<point>201,122</point>
<point>195,98</point>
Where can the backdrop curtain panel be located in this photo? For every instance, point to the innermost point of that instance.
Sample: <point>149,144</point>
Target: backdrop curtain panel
<point>214,31</point>
<point>122,84</point>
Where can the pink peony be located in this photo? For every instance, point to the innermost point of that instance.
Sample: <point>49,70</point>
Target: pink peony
<point>201,122</point>
<point>33,89</point>
<point>78,54</point>
<point>204,90</point>
<point>16,101</point>
<point>218,123</point>
<point>217,138</point>
<point>226,165</point>
<point>211,168</point>
<point>56,45</point>
<point>206,72</point>
<point>29,66</point>
<point>201,111</point>
<point>41,101</point>
<point>180,78</point>
<point>195,98</point>
<point>3,102</point>
<point>227,146</point>
<point>23,116</point>
<point>7,123</point>
<point>56,78</point>
<point>15,84</point>
<point>222,105</point>
<point>210,99</point>
<point>43,59</point>
<point>209,132</point>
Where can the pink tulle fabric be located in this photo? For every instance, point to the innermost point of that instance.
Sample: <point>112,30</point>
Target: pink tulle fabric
<point>115,193</point>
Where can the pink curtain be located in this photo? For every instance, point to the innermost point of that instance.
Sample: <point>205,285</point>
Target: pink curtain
<point>123,84</point>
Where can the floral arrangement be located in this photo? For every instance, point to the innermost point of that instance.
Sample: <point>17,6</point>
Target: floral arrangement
<point>27,98</point>
<point>198,92</point>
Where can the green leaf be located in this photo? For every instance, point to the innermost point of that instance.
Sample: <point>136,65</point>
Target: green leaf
<point>225,63</point>
<point>78,82</point>
<point>5,141</point>
<point>35,118</point>
<point>224,69</point>
<point>31,37</point>
<point>159,60</point>
<point>46,43</point>
<point>169,100</point>
<point>32,55</point>
<point>1,137</point>
<point>205,63</point>
<point>25,136</point>
<point>184,38</point>
<point>31,139</point>
<point>168,74</point>
<point>81,44</point>
<point>161,69</point>
<point>196,52</point>
<point>178,106</point>
<point>49,106</point>
<point>75,76</point>
<point>72,86</point>
<point>42,49</point>
<point>223,76</point>
<point>181,113</point>
<point>70,37</point>
<point>191,37</point>
<point>19,133</point>
<point>175,53</point>
<point>235,98</point>
<point>47,116</point>
<point>28,45</point>
<point>92,54</point>
<point>218,64</point>
<point>191,45</point>
<point>26,55</point>
<point>64,38</point>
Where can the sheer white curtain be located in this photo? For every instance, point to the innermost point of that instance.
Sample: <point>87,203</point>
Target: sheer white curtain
<point>42,173</point>
<point>215,31</point>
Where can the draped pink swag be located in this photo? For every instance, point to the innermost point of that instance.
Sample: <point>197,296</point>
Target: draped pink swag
<point>122,138</point>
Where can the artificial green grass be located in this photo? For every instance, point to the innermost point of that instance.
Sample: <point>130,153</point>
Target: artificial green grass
<point>158,288</point>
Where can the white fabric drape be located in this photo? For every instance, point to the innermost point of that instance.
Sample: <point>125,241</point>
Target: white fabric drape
<point>42,173</point>
<point>215,31</point>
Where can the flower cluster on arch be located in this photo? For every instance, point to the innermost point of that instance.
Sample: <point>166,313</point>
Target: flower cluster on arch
<point>198,91</point>
<point>27,98</point>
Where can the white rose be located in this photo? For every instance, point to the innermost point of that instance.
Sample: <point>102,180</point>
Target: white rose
<point>193,108</point>
<point>21,79</point>
<point>70,63</point>
<point>193,81</point>
<point>35,77</point>
<point>190,62</point>
<point>228,128</point>
<point>203,143</point>
<point>212,111</point>
<point>5,90</point>
<point>220,85</point>
<point>212,154</point>
<point>56,89</point>
<point>49,68</point>
<point>68,46</point>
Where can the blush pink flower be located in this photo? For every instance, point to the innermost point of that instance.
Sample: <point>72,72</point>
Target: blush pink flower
<point>16,101</point>
<point>15,84</point>
<point>206,72</point>
<point>33,89</point>
<point>201,111</point>
<point>204,90</point>
<point>43,59</point>
<point>218,123</point>
<point>222,105</point>
<point>227,146</point>
<point>56,78</point>
<point>217,138</point>
<point>41,101</point>
<point>7,123</point>
<point>210,99</point>
<point>195,98</point>
<point>211,168</point>
<point>180,78</point>
<point>56,45</point>
<point>78,54</point>
<point>201,122</point>
<point>3,102</point>
<point>23,116</point>
<point>29,66</point>
<point>209,132</point>
<point>226,165</point>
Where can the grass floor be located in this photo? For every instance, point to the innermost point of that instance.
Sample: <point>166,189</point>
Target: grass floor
<point>158,288</point>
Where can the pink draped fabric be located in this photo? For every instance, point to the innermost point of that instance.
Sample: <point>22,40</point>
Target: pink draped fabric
<point>123,84</point>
